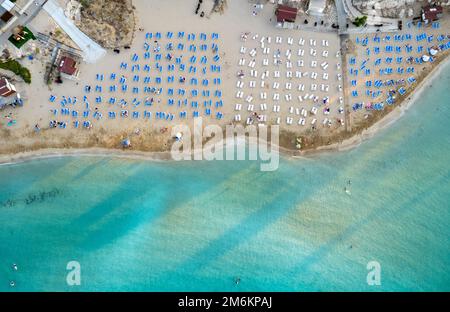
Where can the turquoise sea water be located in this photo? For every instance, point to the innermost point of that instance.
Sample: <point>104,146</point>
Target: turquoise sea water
<point>135,225</point>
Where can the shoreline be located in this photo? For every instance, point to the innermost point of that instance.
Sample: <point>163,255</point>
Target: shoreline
<point>347,144</point>
<point>386,121</point>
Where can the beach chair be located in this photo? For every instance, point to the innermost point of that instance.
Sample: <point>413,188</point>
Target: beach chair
<point>136,67</point>
<point>147,114</point>
<point>276,96</point>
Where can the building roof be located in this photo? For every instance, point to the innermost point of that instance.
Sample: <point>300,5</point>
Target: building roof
<point>6,88</point>
<point>67,65</point>
<point>8,5</point>
<point>285,13</point>
<point>431,13</point>
<point>6,16</point>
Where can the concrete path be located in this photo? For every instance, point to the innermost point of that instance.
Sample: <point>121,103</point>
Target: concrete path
<point>92,52</point>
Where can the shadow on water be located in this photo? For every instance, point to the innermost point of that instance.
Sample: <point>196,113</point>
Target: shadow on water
<point>136,208</point>
<point>120,196</point>
<point>27,174</point>
<point>94,166</point>
<point>249,227</point>
<point>376,213</point>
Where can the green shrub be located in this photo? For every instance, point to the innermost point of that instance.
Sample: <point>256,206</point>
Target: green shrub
<point>84,3</point>
<point>18,69</point>
<point>360,21</point>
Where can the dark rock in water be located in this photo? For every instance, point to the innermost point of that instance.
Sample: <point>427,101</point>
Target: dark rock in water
<point>42,196</point>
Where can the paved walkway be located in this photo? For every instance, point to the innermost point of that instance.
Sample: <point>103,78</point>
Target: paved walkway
<point>92,52</point>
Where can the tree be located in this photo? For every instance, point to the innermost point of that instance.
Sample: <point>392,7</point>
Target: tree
<point>360,21</point>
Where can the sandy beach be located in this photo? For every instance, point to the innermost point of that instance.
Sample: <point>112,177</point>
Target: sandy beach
<point>152,140</point>
<point>345,145</point>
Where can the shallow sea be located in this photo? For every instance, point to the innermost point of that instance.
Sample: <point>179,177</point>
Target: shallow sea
<point>190,226</point>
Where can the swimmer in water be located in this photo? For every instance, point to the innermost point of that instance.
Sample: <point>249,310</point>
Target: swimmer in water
<point>14,267</point>
<point>237,280</point>
<point>12,284</point>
